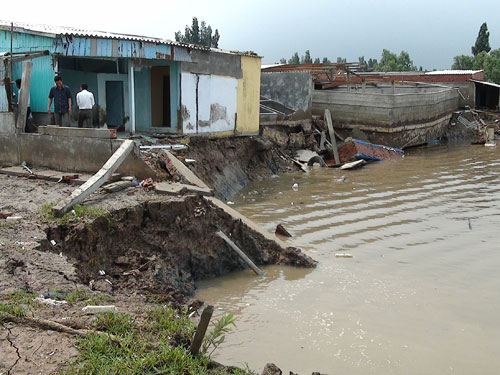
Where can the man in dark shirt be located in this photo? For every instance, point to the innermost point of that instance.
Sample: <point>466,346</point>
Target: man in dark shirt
<point>61,95</point>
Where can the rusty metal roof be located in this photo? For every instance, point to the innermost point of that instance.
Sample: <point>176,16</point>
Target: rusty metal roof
<point>53,31</point>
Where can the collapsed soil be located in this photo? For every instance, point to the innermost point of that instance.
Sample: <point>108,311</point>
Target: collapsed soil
<point>146,248</point>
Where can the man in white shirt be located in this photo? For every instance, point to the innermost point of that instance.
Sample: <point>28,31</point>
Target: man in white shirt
<point>85,102</point>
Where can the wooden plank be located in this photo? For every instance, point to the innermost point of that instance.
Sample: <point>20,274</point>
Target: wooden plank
<point>81,193</point>
<point>328,118</point>
<point>242,255</point>
<point>206,315</point>
<point>22,108</point>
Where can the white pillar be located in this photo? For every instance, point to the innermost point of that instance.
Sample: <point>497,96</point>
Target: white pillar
<point>132,98</point>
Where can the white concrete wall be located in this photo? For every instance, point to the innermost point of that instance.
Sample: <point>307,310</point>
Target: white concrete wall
<point>7,123</point>
<point>214,109</point>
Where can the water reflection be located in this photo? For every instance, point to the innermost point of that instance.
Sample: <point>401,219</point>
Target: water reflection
<point>421,293</point>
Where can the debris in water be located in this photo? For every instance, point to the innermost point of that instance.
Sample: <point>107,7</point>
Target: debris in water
<point>343,255</point>
<point>102,273</point>
<point>470,226</point>
<point>53,242</point>
<point>354,164</point>
<point>230,202</point>
<point>295,187</point>
<point>280,229</point>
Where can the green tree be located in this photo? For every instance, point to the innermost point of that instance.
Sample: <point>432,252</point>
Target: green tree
<point>306,59</point>
<point>295,59</point>
<point>341,60</point>
<point>362,61</point>
<point>282,60</point>
<point>491,66</point>
<point>317,61</point>
<point>200,34</point>
<point>372,63</point>
<point>463,62</point>
<point>390,62</point>
<point>482,41</point>
<point>325,60</point>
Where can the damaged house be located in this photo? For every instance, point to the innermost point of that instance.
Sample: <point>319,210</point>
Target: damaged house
<point>140,84</point>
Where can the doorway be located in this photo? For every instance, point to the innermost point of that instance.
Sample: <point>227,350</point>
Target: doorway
<point>160,96</point>
<point>114,103</point>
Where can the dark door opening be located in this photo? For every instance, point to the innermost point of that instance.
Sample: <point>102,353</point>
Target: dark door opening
<point>160,96</point>
<point>114,103</point>
<point>166,99</point>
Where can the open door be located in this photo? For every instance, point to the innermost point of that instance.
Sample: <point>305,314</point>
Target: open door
<point>160,96</point>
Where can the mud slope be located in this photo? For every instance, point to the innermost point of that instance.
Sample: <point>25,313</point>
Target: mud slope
<point>228,164</point>
<point>162,247</point>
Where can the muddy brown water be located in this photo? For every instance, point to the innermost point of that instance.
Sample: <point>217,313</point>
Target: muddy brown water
<point>421,294</point>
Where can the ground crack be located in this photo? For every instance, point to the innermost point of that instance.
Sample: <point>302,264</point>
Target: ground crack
<point>15,347</point>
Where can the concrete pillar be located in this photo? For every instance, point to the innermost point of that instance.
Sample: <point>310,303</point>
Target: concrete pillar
<point>132,98</point>
<point>363,85</point>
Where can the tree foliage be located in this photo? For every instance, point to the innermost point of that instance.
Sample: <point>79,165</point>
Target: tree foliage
<point>295,59</point>
<point>481,59</point>
<point>306,59</point>
<point>482,41</point>
<point>200,34</point>
<point>390,62</point>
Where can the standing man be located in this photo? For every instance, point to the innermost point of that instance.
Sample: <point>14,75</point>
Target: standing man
<point>85,102</point>
<point>62,102</point>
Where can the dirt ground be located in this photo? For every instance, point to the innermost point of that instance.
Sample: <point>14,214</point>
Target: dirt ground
<point>145,247</point>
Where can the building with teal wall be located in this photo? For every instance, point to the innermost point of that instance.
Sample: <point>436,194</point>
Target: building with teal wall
<point>139,83</point>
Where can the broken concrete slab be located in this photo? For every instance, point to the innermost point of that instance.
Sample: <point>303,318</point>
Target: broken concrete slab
<point>81,193</point>
<point>175,188</point>
<point>68,131</point>
<point>252,225</point>
<point>183,170</point>
<point>46,174</point>
<point>118,186</point>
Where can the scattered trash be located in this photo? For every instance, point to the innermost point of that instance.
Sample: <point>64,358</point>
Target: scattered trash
<point>189,160</point>
<point>354,164</point>
<point>109,282</point>
<point>5,215</point>
<point>280,230</point>
<point>295,187</point>
<point>102,273</point>
<point>49,301</point>
<point>490,144</point>
<point>53,242</point>
<point>341,179</point>
<point>128,178</point>
<point>343,255</point>
<point>147,184</point>
<point>165,147</point>
<point>470,226</point>
<point>99,309</point>
<point>230,202</point>
<point>13,218</point>
<point>25,166</point>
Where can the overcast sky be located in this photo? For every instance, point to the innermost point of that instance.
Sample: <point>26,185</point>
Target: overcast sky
<point>432,31</point>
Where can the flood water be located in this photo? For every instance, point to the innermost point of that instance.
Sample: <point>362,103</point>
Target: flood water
<point>421,294</point>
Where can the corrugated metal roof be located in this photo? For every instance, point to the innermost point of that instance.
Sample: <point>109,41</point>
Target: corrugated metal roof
<point>53,31</point>
<point>486,83</point>
<point>451,72</point>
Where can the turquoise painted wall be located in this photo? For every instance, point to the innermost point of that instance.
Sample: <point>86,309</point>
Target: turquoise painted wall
<point>74,78</point>
<point>43,73</point>
<point>42,77</point>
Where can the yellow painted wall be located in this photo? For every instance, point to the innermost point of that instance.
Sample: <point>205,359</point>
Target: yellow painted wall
<point>248,100</point>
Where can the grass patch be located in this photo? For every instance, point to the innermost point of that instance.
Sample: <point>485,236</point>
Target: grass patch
<point>79,212</point>
<point>16,302</point>
<point>11,309</point>
<point>160,345</point>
